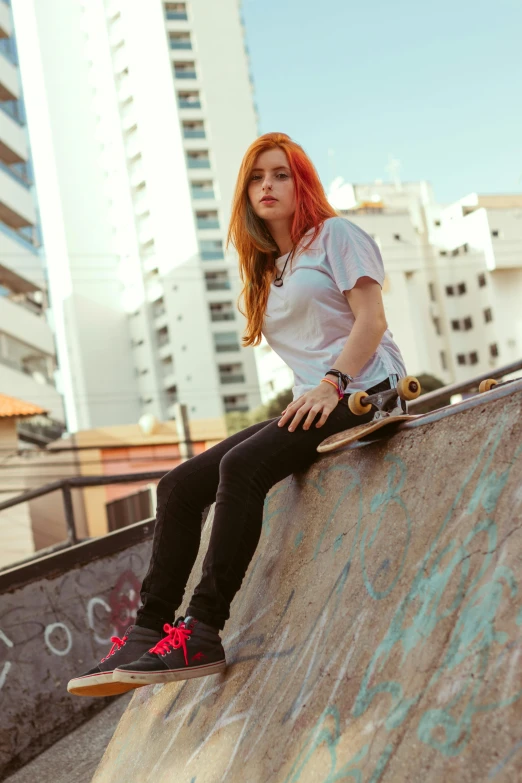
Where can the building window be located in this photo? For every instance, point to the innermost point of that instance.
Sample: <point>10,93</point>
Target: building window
<point>225,341</point>
<point>431,288</point>
<point>461,358</point>
<point>473,357</point>
<point>217,281</point>
<point>198,159</point>
<point>26,359</point>
<point>231,373</point>
<point>158,308</point>
<point>207,219</point>
<point>481,280</point>
<point>436,324</point>
<point>222,311</point>
<point>397,237</point>
<point>236,403</point>
<point>193,130</point>
<point>488,315</point>
<point>189,99</point>
<point>211,249</point>
<point>495,233</point>
<point>493,350</point>
<point>180,40</point>
<point>461,288</point>
<point>185,70</point>
<point>450,290</point>
<point>443,360</point>
<point>455,325</point>
<point>468,324</point>
<point>162,336</point>
<point>203,189</point>
<point>176,11</point>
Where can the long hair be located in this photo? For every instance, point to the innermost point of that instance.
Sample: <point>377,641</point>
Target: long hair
<point>256,248</point>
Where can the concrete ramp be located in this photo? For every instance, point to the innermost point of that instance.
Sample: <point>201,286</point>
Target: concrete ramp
<point>378,634</point>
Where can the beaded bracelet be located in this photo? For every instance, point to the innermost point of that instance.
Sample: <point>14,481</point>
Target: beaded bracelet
<point>327,380</point>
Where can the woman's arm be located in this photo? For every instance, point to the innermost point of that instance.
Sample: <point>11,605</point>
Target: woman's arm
<point>365,300</point>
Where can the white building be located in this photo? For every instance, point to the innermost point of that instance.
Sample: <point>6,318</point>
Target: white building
<point>27,350</point>
<point>453,274</point>
<point>139,115</point>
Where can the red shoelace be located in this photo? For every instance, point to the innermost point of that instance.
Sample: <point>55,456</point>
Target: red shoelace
<point>116,644</point>
<point>176,637</point>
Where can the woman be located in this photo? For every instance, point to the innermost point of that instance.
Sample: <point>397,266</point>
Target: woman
<point>323,314</point>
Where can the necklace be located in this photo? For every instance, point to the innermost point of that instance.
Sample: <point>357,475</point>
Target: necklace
<point>279,280</point>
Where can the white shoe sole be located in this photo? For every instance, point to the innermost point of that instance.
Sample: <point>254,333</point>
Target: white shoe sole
<point>101,684</point>
<point>169,675</point>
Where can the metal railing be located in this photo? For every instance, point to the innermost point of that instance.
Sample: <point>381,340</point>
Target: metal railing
<point>65,486</point>
<point>472,384</point>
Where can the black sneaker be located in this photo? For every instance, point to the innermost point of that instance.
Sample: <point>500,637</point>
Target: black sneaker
<point>190,649</point>
<point>98,681</point>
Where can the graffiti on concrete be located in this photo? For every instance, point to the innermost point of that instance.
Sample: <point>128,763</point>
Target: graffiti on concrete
<point>337,685</point>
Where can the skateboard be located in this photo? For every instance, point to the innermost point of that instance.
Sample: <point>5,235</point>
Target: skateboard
<point>388,413</point>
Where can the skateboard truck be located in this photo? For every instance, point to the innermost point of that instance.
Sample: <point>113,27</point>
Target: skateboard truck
<point>386,402</point>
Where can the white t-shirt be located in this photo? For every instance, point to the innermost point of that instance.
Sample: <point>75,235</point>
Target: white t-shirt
<point>308,319</point>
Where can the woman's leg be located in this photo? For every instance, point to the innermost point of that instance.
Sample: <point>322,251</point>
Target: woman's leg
<point>246,473</point>
<point>182,495</point>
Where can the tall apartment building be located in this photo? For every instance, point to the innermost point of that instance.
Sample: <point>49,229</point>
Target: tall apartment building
<point>139,115</point>
<point>27,349</point>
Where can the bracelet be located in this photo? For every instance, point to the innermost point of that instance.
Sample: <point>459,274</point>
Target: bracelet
<point>339,393</point>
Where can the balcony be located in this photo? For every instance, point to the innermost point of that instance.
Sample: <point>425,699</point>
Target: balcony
<point>6,26</point>
<point>224,316</point>
<point>17,208</point>
<point>208,220</point>
<point>14,245</point>
<point>203,193</point>
<point>180,43</point>
<point>9,84</point>
<point>189,133</point>
<point>198,163</point>
<point>226,347</point>
<point>176,12</point>
<point>8,49</point>
<point>218,285</point>
<point>184,104</point>
<point>13,141</point>
<point>185,71</point>
<point>232,378</point>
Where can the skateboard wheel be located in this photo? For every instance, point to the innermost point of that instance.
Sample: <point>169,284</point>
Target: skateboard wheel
<point>408,388</point>
<point>487,385</point>
<point>355,404</point>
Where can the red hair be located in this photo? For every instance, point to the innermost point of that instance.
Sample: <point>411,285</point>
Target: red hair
<point>255,245</point>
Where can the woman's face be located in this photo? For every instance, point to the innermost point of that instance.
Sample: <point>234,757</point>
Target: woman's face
<point>271,176</point>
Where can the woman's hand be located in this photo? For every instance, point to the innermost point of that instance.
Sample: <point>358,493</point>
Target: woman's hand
<point>323,398</point>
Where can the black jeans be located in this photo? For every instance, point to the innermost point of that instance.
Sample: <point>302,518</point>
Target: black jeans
<point>237,474</point>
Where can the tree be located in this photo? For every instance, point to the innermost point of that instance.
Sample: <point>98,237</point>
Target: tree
<point>239,420</point>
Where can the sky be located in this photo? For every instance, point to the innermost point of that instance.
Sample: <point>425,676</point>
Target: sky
<point>436,85</point>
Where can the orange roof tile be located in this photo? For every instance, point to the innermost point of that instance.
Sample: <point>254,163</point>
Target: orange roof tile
<point>10,407</point>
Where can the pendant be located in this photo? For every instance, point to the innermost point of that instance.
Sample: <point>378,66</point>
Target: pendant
<point>278,283</point>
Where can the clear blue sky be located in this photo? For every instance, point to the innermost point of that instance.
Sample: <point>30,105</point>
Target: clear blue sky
<point>436,84</point>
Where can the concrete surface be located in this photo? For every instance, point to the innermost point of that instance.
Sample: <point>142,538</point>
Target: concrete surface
<point>51,630</point>
<point>74,758</point>
<point>377,636</point>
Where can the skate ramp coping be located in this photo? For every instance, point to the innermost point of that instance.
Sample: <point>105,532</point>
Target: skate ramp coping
<point>377,635</point>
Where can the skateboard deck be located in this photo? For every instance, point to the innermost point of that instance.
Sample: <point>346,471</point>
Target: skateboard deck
<point>388,407</point>
<point>362,432</point>
<point>386,416</point>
